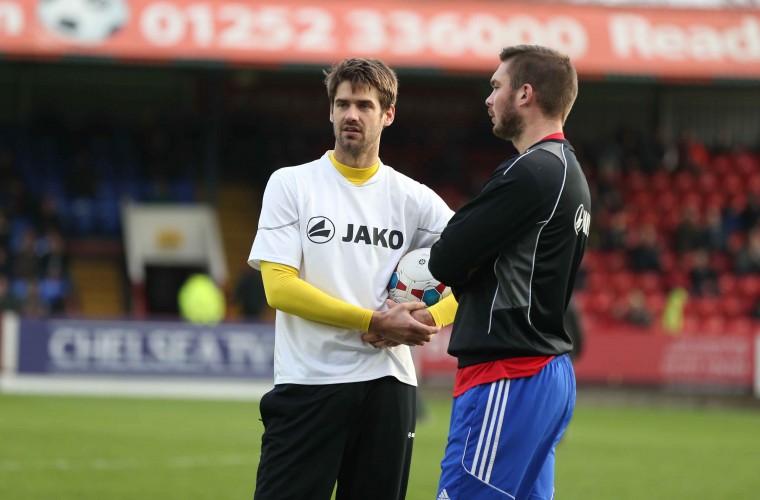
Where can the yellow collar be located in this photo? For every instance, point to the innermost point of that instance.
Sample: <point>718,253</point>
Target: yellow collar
<point>356,176</point>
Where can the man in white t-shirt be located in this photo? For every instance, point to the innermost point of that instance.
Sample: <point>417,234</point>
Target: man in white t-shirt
<point>329,237</point>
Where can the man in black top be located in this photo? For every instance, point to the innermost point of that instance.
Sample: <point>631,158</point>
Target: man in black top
<point>511,256</point>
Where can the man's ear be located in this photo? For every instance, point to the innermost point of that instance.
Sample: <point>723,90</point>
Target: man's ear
<point>390,115</point>
<point>526,94</point>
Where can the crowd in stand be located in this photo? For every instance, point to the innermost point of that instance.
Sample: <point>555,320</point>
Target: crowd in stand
<point>679,221</point>
<point>60,183</point>
<point>667,215</point>
<point>34,263</point>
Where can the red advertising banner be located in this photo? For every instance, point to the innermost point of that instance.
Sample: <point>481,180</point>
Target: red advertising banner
<point>456,36</point>
<point>631,357</point>
<point>698,360</point>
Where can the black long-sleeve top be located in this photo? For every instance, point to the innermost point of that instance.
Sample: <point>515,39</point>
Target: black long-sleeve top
<point>511,256</point>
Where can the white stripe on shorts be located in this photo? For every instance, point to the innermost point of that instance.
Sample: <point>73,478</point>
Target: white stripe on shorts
<point>490,430</point>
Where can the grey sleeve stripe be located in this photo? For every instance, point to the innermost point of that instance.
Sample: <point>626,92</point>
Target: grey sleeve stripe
<point>278,227</point>
<point>429,231</point>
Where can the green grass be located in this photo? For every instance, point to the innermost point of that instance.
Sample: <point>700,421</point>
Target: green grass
<point>63,448</point>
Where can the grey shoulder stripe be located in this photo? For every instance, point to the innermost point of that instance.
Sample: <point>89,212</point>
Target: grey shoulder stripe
<point>278,227</point>
<point>518,159</point>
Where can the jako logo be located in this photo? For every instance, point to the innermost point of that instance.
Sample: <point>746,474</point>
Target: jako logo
<point>582,220</point>
<point>320,230</point>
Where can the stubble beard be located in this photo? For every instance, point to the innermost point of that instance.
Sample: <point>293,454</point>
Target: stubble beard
<point>511,125</point>
<point>354,148</point>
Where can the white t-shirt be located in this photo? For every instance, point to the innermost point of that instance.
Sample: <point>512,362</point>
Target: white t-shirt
<point>345,240</point>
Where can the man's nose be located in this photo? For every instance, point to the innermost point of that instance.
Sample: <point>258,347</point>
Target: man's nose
<point>353,113</point>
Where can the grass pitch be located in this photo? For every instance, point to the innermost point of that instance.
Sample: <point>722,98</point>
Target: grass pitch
<point>63,448</point>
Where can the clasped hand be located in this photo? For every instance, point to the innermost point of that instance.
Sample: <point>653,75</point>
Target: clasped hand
<point>409,324</point>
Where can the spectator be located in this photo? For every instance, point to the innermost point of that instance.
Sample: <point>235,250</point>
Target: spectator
<point>732,215</point>
<point>54,291</point>
<point>52,254</point>
<point>704,279</point>
<point>8,301</point>
<point>693,154</point>
<point>32,304</point>
<point>665,151</point>
<point>672,315</point>
<point>80,180</point>
<point>688,234</point>
<point>751,213</point>
<point>249,294</point>
<point>25,261</point>
<point>48,217</point>
<point>5,229</point>
<point>634,311</point>
<point>747,260</point>
<point>5,265</point>
<point>612,236</point>
<point>608,186</point>
<point>644,254</point>
<point>715,236</point>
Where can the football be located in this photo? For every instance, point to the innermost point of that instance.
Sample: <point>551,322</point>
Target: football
<point>412,281</point>
<point>86,22</point>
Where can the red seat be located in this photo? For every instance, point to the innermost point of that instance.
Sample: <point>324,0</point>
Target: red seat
<point>621,282</point>
<point>749,285</point>
<point>592,259</point>
<point>650,282</point>
<point>714,324</point>
<point>600,303</point>
<point>707,183</point>
<point>703,307</point>
<point>656,303</point>
<point>735,306</point>
<point>739,326</point>
<point>615,261</point>
<point>683,182</point>
<point>720,262</point>
<point>727,283</point>
<point>722,164</point>
<point>597,280</point>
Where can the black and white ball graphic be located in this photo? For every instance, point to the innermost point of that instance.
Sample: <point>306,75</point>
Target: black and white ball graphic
<point>85,22</point>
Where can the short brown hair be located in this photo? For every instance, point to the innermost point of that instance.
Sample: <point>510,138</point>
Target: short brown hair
<point>548,71</point>
<point>363,72</point>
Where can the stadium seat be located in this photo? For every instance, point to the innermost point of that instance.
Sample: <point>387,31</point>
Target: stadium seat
<point>649,282</point>
<point>735,305</point>
<point>683,182</point>
<point>727,283</point>
<point>108,216</point>
<point>656,303</point>
<point>707,183</point>
<point>749,285</point>
<point>82,213</point>
<point>714,324</point>
<point>739,326</point>
<point>615,260</point>
<point>621,282</point>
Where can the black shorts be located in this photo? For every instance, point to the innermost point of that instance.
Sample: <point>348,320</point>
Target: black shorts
<point>359,433</point>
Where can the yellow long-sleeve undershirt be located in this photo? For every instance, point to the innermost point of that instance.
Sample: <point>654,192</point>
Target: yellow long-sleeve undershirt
<point>287,292</point>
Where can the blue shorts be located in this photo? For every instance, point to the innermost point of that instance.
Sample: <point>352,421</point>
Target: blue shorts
<point>502,436</point>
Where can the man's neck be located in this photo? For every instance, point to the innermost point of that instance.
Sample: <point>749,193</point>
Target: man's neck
<point>366,160</point>
<point>535,133</point>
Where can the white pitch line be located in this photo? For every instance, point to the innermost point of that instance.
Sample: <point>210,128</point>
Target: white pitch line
<point>116,464</point>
